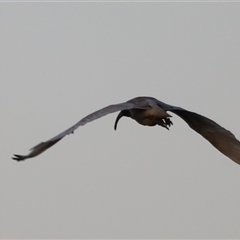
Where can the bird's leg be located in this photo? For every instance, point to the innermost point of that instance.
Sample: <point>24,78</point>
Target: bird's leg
<point>168,122</point>
<point>160,122</point>
<point>165,122</point>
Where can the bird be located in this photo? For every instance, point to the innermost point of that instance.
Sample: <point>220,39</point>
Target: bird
<point>149,111</point>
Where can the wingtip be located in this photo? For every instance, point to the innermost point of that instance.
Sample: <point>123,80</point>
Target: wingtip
<point>18,157</point>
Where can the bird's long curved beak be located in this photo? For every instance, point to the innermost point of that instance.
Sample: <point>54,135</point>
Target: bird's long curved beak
<point>119,116</point>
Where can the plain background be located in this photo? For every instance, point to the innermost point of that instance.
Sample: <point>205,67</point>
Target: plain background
<point>61,61</point>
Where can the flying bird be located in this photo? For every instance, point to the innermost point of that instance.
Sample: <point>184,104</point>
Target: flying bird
<point>149,111</point>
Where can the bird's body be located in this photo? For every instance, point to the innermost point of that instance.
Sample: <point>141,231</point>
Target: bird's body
<point>149,117</point>
<point>149,111</point>
<point>153,115</point>
<point>146,117</point>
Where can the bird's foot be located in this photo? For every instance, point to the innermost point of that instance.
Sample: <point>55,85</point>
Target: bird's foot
<point>168,122</point>
<point>165,122</point>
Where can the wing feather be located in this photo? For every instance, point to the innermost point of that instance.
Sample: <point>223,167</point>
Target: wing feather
<point>43,146</point>
<point>218,136</point>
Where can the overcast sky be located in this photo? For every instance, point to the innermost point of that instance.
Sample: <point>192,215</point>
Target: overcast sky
<point>61,61</point>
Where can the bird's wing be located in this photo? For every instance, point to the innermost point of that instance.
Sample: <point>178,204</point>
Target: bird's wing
<point>41,147</point>
<point>218,136</point>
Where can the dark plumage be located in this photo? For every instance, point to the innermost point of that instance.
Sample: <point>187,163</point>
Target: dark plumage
<point>149,111</point>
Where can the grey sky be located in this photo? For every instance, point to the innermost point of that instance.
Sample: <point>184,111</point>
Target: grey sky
<point>61,61</point>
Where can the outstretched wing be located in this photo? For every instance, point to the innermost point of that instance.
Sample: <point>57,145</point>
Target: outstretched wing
<point>41,147</point>
<point>218,136</point>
